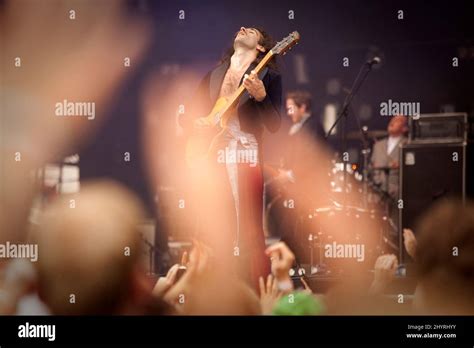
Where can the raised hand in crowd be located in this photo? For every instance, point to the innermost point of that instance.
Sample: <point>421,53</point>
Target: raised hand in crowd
<point>197,267</point>
<point>269,294</point>
<point>409,240</point>
<point>165,283</point>
<point>384,272</point>
<point>282,258</point>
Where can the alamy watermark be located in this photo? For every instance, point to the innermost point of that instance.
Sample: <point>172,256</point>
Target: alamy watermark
<point>19,251</point>
<point>28,330</point>
<point>232,156</point>
<point>67,108</point>
<point>393,108</point>
<point>345,251</point>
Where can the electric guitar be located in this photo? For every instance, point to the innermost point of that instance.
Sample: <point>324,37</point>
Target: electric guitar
<point>198,143</point>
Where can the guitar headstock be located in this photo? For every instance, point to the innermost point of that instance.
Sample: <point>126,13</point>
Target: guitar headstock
<point>287,43</point>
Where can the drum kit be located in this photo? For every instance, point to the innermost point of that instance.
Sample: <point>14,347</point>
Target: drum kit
<point>351,230</point>
<point>358,213</point>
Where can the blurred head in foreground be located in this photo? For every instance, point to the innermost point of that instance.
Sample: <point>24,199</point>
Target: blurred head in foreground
<point>445,258</point>
<point>299,303</point>
<point>89,252</point>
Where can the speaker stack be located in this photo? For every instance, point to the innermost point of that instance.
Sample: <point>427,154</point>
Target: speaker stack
<point>432,166</point>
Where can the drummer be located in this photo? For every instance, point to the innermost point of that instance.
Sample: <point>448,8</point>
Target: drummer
<point>385,156</point>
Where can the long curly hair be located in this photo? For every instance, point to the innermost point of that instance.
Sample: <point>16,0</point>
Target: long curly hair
<point>266,41</point>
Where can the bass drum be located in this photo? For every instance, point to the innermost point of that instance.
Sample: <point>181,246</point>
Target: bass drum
<point>282,222</point>
<point>346,239</point>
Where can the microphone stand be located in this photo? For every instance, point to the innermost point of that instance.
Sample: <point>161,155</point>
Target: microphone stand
<point>151,251</point>
<point>343,116</point>
<point>365,153</point>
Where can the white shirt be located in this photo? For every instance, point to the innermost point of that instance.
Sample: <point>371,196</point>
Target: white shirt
<point>391,143</point>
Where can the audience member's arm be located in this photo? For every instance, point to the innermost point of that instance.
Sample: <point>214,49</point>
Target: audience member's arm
<point>282,259</point>
<point>165,283</point>
<point>269,294</point>
<point>409,240</point>
<point>197,266</point>
<point>385,267</point>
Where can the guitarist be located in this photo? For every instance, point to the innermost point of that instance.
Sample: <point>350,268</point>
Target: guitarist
<point>257,109</point>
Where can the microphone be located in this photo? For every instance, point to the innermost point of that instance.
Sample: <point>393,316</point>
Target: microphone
<point>373,61</point>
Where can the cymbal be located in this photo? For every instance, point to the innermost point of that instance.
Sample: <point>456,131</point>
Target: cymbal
<point>356,135</point>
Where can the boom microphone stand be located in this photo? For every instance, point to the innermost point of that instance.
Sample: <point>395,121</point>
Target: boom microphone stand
<point>343,115</point>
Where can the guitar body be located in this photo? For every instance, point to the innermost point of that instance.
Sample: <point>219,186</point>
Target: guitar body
<point>199,142</point>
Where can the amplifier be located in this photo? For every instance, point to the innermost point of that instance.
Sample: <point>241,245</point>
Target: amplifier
<point>438,128</point>
<point>428,171</point>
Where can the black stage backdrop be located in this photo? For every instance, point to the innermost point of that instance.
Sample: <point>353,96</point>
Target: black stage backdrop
<point>416,66</point>
<point>417,53</point>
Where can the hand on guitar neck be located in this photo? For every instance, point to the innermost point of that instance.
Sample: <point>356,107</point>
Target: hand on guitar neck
<point>254,86</point>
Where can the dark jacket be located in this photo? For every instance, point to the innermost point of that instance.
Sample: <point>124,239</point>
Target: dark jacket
<point>300,145</point>
<point>253,116</point>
